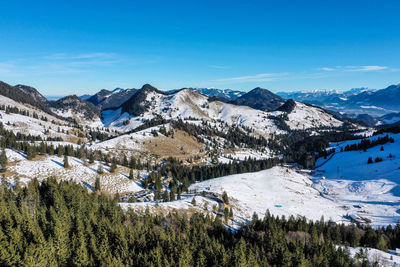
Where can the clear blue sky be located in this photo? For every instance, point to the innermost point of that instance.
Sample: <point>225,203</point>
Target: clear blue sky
<point>83,46</point>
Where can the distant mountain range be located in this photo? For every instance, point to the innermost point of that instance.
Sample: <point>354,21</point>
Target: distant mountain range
<point>353,102</point>
<point>369,105</point>
<point>373,107</point>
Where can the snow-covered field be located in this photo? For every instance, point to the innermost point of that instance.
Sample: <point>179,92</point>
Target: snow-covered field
<point>281,190</point>
<point>203,204</point>
<point>368,190</point>
<point>376,256</point>
<point>53,166</point>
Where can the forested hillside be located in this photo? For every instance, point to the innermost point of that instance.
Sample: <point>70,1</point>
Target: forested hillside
<point>53,223</point>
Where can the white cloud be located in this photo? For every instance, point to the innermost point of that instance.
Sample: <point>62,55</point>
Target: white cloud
<point>262,77</point>
<point>96,55</point>
<point>355,68</point>
<point>217,67</point>
<point>61,63</point>
<point>327,69</point>
<point>366,68</point>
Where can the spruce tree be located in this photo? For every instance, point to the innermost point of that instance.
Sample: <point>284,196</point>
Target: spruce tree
<point>91,158</point>
<point>100,169</point>
<point>3,160</point>
<point>113,167</point>
<point>60,151</point>
<point>30,154</point>
<point>225,197</point>
<point>166,196</point>
<point>97,185</point>
<point>131,174</point>
<point>66,163</point>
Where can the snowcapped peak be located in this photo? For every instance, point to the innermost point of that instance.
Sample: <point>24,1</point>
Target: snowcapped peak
<point>118,90</point>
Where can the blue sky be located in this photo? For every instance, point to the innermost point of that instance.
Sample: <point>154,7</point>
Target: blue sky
<point>78,47</point>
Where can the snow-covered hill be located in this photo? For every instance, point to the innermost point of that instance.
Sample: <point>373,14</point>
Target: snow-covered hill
<point>150,104</point>
<point>105,99</point>
<point>368,190</point>
<point>303,117</point>
<point>84,113</point>
<point>281,190</point>
<point>52,166</point>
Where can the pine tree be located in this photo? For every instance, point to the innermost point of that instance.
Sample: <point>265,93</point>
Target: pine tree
<point>125,161</point>
<point>179,194</point>
<point>91,158</point>
<point>157,195</point>
<point>30,154</point>
<point>66,163</point>
<point>194,201</point>
<point>226,214</point>
<point>166,196</point>
<point>113,167</point>
<point>225,197</point>
<point>3,160</point>
<point>97,185</point>
<point>60,151</point>
<point>100,169</point>
<point>131,174</point>
<point>132,163</point>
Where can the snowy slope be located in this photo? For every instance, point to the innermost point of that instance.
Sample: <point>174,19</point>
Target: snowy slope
<point>368,190</point>
<point>376,256</point>
<point>29,125</point>
<point>305,117</point>
<point>52,166</point>
<point>186,104</point>
<point>281,190</point>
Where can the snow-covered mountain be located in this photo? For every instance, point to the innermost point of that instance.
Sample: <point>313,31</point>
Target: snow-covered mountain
<point>353,102</point>
<point>73,107</point>
<point>223,94</point>
<point>25,94</point>
<point>150,103</point>
<point>259,98</point>
<point>38,97</point>
<point>105,99</point>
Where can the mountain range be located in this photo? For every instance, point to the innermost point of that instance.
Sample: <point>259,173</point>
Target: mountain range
<point>373,107</point>
<point>358,102</point>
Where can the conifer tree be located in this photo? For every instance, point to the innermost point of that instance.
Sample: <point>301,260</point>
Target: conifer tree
<point>100,169</point>
<point>166,196</point>
<point>30,154</point>
<point>3,160</point>
<point>131,174</point>
<point>113,167</point>
<point>66,162</point>
<point>60,151</point>
<point>225,197</point>
<point>97,185</point>
<point>91,158</point>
